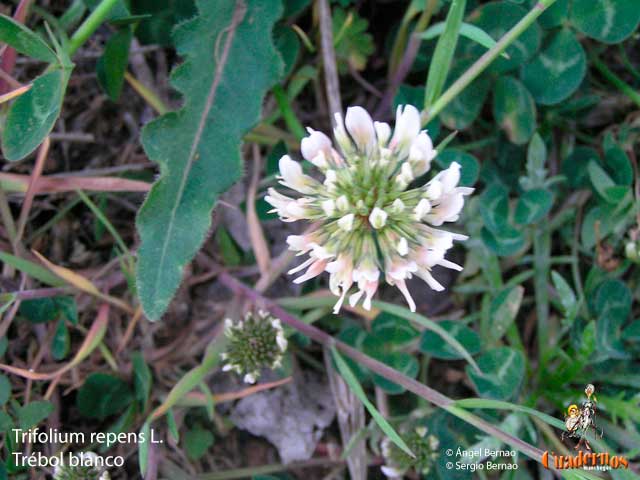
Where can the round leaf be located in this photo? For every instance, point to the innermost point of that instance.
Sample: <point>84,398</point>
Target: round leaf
<point>502,371</point>
<point>557,71</point>
<point>33,114</point>
<point>103,395</point>
<point>508,242</point>
<point>609,21</point>
<point>463,110</point>
<point>497,18</point>
<point>432,343</point>
<point>574,167</point>
<point>554,15</point>
<point>393,329</point>
<point>514,109</point>
<point>403,362</point>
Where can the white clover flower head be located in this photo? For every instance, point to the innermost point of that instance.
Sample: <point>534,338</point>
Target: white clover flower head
<point>423,446</point>
<point>87,468</point>
<point>254,343</point>
<point>372,226</point>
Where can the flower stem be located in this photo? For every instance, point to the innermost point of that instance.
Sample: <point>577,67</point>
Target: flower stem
<point>288,114</point>
<point>381,369</point>
<point>90,25</point>
<point>485,60</point>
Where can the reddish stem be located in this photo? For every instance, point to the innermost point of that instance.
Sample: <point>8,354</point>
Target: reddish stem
<point>9,57</point>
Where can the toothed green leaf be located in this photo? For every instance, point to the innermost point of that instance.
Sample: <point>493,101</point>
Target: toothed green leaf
<point>230,63</point>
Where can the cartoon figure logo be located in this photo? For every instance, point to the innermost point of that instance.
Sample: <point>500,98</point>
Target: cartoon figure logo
<point>578,421</point>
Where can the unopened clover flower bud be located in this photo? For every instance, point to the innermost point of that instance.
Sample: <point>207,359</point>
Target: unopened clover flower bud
<point>255,343</point>
<point>329,206</point>
<point>346,222</point>
<point>397,206</point>
<point>342,203</point>
<point>632,251</point>
<point>378,218</point>
<point>369,225</point>
<point>403,247</point>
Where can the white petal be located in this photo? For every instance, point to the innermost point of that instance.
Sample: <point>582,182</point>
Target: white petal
<point>383,132</point>
<point>249,378</point>
<point>402,286</point>
<point>403,247</point>
<point>360,126</point>
<point>407,128</point>
<point>434,190</point>
<point>423,207</point>
<point>314,144</point>
<point>292,176</point>
<point>282,342</point>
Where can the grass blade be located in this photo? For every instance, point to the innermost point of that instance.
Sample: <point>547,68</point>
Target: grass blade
<point>446,46</point>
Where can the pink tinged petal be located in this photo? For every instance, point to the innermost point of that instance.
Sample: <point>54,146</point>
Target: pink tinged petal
<point>360,126</point>
<point>447,211</point>
<point>402,286</point>
<point>314,270</point>
<point>383,132</point>
<point>316,143</point>
<point>370,291</point>
<point>302,266</point>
